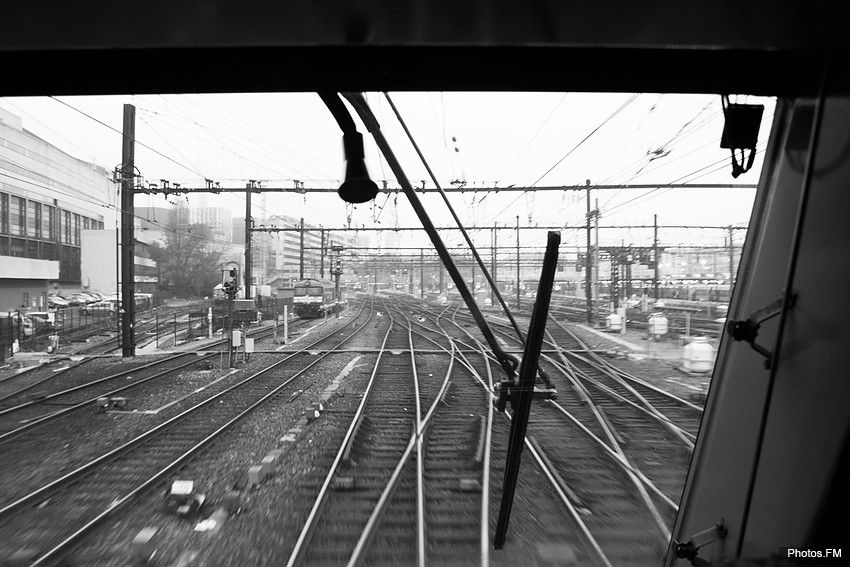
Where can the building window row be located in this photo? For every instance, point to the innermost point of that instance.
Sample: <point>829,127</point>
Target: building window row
<point>32,219</point>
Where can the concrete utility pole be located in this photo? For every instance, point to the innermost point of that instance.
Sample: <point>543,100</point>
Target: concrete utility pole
<point>302,249</point>
<point>472,277</point>
<point>127,310</point>
<point>588,291</point>
<point>322,256</point>
<point>248,222</point>
<point>595,273</point>
<point>656,271</point>
<point>421,274</point>
<point>731,261</point>
<point>493,264</point>
<point>518,300</point>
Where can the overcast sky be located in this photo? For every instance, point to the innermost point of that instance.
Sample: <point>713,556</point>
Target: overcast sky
<point>482,139</point>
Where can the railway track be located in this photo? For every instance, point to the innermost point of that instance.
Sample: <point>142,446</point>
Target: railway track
<point>405,485</point>
<point>59,513</point>
<point>409,479</point>
<point>46,398</point>
<point>619,460</point>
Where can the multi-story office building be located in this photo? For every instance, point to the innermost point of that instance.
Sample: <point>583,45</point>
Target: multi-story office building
<point>47,199</point>
<point>283,254</point>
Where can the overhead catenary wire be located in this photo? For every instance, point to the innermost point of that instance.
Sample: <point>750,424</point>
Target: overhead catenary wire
<point>246,136</point>
<point>533,137</point>
<point>188,167</point>
<point>717,166</point>
<point>566,155</point>
<point>183,165</point>
<point>169,158</point>
<point>456,219</point>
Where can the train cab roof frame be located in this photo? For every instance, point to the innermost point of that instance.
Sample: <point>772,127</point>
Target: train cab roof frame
<point>773,454</point>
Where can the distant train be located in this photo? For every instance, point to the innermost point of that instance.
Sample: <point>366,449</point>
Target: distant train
<point>696,292</point>
<point>314,297</point>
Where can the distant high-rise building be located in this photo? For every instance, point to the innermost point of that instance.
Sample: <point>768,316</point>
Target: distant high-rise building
<point>280,254</point>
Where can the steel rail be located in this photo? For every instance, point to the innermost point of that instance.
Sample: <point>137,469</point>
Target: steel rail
<point>674,429</point>
<point>490,388</point>
<point>647,482</point>
<point>357,555</point>
<point>550,475</point>
<point>34,423</point>
<point>54,374</point>
<point>88,384</point>
<point>368,532</point>
<point>118,503</point>
<point>416,439</point>
<point>32,369</point>
<point>420,472</point>
<point>638,478</point>
<point>681,435</point>
<point>646,407</point>
<point>298,550</point>
<point>612,436</point>
<point>626,375</point>
<point>627,466</point>
<point>684,437</point>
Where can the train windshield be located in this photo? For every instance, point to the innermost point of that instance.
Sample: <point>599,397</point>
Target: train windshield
<point>652,225</point>
<point>308,290</point>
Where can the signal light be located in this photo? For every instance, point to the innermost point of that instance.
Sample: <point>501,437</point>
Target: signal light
<point>230,280</point>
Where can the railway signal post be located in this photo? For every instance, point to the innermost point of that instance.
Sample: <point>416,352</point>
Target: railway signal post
<point>230,285</point>
<point>336,271</point>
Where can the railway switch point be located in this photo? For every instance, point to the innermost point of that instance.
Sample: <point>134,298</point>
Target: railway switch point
<point>144,544</point>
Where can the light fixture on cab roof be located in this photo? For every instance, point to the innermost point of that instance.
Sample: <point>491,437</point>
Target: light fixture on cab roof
<point>357,186</point>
